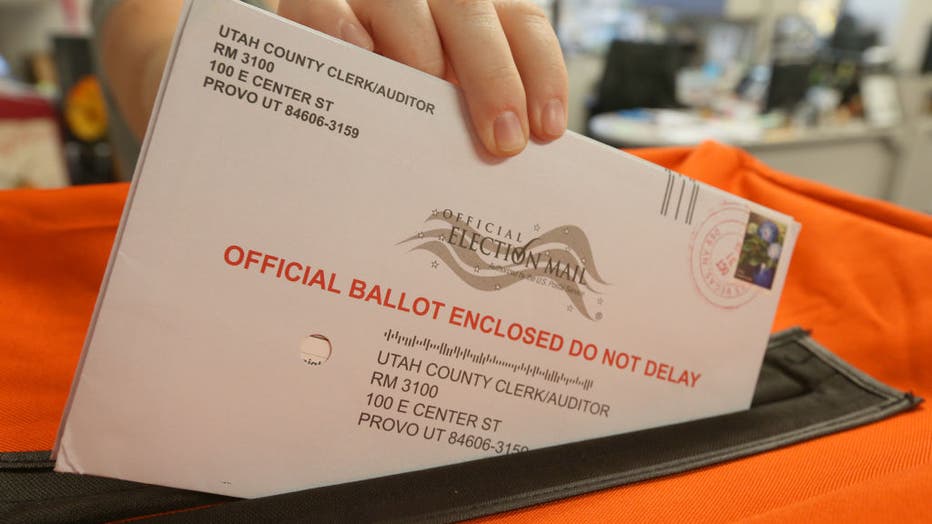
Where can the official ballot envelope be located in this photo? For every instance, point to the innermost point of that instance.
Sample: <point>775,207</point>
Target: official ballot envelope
<point>320,278</point>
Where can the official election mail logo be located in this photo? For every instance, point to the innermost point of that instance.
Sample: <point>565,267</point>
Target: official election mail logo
<point>490,257</point>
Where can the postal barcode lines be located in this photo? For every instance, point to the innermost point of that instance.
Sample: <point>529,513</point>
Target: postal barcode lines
<point>485,358</point>
<point>678,199</point>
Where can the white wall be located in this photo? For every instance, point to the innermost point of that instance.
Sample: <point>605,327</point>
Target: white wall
<point>26,26</point>
<point>913,34</point>
<point>883,17</point>
<point>903,25</point>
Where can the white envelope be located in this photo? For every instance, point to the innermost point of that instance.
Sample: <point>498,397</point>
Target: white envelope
<point>319,278</point>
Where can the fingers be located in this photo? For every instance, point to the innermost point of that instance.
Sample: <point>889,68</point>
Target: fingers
<point>537,55</point>
<point>404,31</point>
<point>334,17</point>
<point>475,43</point>
<point>503,53</point>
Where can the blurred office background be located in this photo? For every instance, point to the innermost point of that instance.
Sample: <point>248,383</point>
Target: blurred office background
<point>838,91</point>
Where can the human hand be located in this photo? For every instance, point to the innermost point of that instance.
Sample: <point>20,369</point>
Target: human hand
<point>503,53</point>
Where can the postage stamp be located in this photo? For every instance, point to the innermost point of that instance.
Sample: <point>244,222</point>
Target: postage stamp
<point>760,251</point>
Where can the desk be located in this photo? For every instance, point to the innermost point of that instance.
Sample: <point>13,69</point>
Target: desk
<point>664,127</point>
<point>856,157</point>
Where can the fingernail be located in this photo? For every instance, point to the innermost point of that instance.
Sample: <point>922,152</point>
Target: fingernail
<point>355,35</point>
<point>509,137</point>
<point>553,119</point>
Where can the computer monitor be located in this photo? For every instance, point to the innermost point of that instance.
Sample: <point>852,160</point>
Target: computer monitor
<point>640,74</point>
<point>788,85</point>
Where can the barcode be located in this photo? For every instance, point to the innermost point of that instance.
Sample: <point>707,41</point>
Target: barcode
<point>485,358</point>
<point>673,195</point>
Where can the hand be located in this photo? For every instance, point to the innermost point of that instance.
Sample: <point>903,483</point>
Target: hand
<point>503,53</point>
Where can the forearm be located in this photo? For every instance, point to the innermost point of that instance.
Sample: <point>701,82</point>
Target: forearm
<point>135,39</point>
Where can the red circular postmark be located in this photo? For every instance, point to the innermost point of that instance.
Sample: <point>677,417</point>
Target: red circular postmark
<point>713,257</point>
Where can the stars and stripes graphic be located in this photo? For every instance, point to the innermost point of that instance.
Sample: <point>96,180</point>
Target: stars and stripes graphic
<point>560,257</point>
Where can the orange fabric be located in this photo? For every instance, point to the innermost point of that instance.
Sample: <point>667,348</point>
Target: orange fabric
<point>53,249</point>
<point>861,279</point>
